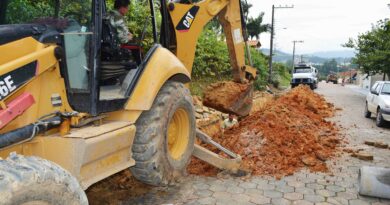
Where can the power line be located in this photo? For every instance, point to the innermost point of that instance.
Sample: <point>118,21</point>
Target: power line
<point>293,58</point>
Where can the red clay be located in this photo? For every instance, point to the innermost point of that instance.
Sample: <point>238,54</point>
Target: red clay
<point>291,133</point>
<point>229,97</point>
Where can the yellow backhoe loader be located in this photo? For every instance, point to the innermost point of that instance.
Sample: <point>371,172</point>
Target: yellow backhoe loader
<point>73,111</point>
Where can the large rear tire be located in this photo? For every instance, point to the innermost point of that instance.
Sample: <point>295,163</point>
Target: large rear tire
<point>32,180</point>
<point>165,137</point>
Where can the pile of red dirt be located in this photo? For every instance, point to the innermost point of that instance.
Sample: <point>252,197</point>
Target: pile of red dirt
<point>289,134</point>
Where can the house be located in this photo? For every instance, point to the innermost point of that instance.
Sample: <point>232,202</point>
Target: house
<point>348,75</point>
<point>366,81</point>
<point>254,44</point>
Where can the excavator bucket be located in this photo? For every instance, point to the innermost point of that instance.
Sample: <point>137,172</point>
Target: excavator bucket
<point>229,97</point>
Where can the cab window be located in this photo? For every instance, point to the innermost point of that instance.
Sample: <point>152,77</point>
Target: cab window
<point>72,18</point>
<point>77,37</point>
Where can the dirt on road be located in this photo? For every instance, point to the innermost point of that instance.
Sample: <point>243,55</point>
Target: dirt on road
<point>290,133</point>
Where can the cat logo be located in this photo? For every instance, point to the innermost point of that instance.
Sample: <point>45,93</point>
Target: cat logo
<point>187,20</point>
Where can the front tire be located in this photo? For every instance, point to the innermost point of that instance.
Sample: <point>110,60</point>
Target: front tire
<point>380,122</point>
<point>165,137</point>
<point>367,114</point>
<point>32,180</point>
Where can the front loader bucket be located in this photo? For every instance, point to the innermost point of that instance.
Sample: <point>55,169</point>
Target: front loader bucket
<point>229,97</point>
<point>231,163</point>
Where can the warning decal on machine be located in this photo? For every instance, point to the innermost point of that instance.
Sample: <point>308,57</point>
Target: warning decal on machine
<point>237,36</point>
<point>11,81</point>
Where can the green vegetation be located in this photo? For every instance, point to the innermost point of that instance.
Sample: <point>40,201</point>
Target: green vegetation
<point>373,49</point>
<point>212,64</point>
<point>212,58</point>
<point>281,75</point>
<point>255,26</point>
<point>21,11</point>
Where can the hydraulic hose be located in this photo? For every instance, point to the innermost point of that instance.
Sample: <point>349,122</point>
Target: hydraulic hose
<point>28,132</point>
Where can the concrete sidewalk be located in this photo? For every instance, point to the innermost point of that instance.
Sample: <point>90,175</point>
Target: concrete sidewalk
<point>358,89</point>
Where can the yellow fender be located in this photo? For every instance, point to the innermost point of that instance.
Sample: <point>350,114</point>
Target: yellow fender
<point>161,67</point>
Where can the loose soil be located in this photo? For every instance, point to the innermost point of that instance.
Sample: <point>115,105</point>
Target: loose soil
<point>290,133</point>
<point>229,97</point>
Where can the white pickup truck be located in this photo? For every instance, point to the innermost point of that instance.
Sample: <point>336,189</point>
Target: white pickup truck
<point>378,102</point>
<point>304,74</point>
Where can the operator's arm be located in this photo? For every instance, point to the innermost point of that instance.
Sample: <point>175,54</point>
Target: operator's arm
<point>118,22</point>
<point>124,34</point>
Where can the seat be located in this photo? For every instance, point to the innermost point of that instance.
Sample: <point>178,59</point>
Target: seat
<point>115,60</point>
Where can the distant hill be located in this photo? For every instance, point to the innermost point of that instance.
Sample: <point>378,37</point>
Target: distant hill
<point>315,58</point>
<point>335,54</point>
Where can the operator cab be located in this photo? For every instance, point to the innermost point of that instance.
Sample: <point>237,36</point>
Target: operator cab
<point>100,74</point>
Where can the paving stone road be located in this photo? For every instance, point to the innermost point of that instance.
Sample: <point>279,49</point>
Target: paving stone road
<point>338,187</point>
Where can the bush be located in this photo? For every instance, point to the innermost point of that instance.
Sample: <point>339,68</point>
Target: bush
<point>211,56</point>
<point>259,61</point>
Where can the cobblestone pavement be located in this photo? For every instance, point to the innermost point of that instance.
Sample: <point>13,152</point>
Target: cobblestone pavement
<point>337,187</point>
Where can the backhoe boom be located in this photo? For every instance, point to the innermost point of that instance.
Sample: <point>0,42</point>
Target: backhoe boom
<point>189,21</point>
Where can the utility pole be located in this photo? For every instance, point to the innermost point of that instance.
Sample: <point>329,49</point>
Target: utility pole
<point>293,58</point>
<point>272,38</point>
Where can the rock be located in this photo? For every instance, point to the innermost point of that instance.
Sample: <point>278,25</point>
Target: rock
<point>244,142</point>
<point>197,100</point>
<point>349,150</point>
<point>206,109</point>
<point>206,115</point>
<point>321,155</point>
<point>224,116</point>
<point>198,116</point>
<point>309,160</point>
<point>381,145</point>
<point>363,156</point>
<point>199,110</point>
<point>371,143</point>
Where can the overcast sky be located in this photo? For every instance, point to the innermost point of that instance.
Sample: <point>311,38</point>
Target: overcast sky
<point>323,24</point>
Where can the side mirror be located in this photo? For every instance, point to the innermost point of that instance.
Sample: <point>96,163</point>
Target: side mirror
<point>373,91</point>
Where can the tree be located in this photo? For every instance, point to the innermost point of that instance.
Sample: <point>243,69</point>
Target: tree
<point>245,8</point>
<point>329,66</point>
<point>373,49</point>
<point>255,26</point>
<point>3,10</point>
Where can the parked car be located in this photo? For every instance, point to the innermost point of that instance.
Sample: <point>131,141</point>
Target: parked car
<point>378,102</point>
